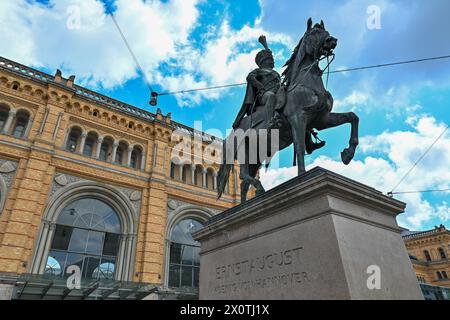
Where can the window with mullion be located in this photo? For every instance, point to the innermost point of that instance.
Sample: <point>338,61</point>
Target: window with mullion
<point>85,239</point>
<point>184,265</point>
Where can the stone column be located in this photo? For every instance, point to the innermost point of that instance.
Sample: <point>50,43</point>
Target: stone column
<point>130,151</point>
<point>181,171</point>
<point>121,257</point>
<point>143,160</point>
<point>29,125</point>
<point>83,142</point>
<point>128,257</point>
<point>215,180</point>
<point>99,147</point>
<point>114,151</point>
<point>12,115</point>
<point>41,247</point>
<point>193,173</point>
<point>48,243</point>
<point>204,178</point>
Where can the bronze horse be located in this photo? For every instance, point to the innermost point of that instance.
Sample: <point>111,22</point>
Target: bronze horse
<point>307,107</point>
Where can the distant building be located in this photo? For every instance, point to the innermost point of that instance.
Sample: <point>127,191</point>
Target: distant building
<point>429,253</point>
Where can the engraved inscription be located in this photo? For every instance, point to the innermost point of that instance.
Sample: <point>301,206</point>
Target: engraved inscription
<point>272,270</point>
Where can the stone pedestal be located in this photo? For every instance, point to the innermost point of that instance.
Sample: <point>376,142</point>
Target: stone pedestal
<point>318,236</point>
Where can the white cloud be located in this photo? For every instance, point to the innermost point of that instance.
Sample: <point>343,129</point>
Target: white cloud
<point>351,102</point>
<point>221,60</point>
<point>38,35</point>
<point>398,151</point>
<point>158,32</point>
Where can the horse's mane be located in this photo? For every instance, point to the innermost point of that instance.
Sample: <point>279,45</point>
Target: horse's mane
<point>287,73</point>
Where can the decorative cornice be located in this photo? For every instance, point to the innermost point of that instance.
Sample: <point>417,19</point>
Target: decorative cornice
<point>427,233</point>
<point>97,98</point>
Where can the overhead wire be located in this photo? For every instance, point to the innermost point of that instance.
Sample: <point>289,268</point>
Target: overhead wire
<point>136,61</point>
<point>331,72</point>
<point>392,192</point>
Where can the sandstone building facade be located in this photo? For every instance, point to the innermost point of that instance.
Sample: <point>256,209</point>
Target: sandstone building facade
<point>89,181</point>
<point>429,253</point>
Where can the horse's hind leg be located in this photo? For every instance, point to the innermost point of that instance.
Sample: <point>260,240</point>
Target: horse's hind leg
<point>247,176</point>
<point>331,120</point>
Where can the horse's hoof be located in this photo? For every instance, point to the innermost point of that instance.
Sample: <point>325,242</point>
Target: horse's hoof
<point>347,156</point>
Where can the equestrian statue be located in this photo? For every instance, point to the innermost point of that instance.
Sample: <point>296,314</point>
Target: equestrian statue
<point>295,103</point>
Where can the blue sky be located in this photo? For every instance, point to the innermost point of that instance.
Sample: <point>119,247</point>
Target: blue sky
<point>185,44</point>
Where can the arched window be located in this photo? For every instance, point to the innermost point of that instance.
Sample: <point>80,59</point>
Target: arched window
<point>444,275</point>
<point>4,114</point>
<point>198,176</point>
<point>20,125</point>
<point>187,173</point>
<point>427,255</point>
<point>172,170</point>
<point>90,143</point>
<point>87,235</point>
<point>121,153</point>
<point>106,149</point>
<point>136,158</point>
<point>184,261</point>
<point>442,253</point>
<point>73,139</point>
<point>210,179</point>
<point>439,275</point>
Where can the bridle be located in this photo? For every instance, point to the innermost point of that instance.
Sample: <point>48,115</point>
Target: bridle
<point>309,67</point>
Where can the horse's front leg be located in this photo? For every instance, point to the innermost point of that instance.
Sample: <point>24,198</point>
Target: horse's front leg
<point>298,124</point>
<point>331,120</point>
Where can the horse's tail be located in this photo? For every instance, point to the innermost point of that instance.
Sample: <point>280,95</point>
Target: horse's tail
<point>224,172</point>
<point>222,178</point>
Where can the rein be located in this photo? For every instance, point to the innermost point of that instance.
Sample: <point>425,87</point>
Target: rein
<point>328,67</point>
<point>308,69</point>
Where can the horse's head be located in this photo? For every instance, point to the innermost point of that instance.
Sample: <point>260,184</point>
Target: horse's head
<point>317,41</point>
<point>315,44</point>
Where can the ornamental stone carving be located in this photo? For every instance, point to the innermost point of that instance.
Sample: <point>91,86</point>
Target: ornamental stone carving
<point>7,167</point>
<point>61,179</point>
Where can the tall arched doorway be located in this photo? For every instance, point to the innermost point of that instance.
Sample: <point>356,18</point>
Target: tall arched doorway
<point>182,251</point>
<point>184,262</point>
<point>89,225</point>
<point>87,235</point>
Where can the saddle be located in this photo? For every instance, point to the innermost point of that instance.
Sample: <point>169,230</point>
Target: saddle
<point>260,118</point>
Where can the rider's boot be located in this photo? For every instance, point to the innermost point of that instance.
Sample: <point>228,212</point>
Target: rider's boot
<point>276,122</point>
<point>312,146</point>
